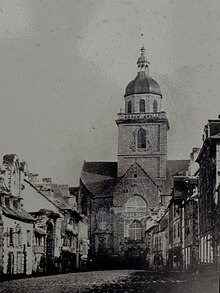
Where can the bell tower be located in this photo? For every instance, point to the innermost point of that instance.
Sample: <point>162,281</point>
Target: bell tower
<point>143,125</point>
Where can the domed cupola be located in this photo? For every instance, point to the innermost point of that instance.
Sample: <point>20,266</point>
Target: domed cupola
<point>143,83</point>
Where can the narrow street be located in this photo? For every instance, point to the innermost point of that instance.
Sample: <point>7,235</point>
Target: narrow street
<point>114,281</point>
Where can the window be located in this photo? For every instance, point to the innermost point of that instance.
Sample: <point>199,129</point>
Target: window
<point>178,229</point>
<point>7,202</point>
<point>136,204</point>
<point>18,235</point>
<point>11,242</point>
<point>135,230</point>
<point>142,105</point>
<point>15,204</point>
<point>135,175</point>
<point>19,262</point>
<point>129,107</point>
<point>28,238</point>
<point>155,106</point>
<point>141,138</point>
<point>102,218</point>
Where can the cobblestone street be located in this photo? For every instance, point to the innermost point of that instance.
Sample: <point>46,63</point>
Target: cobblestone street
<point>113,281</point>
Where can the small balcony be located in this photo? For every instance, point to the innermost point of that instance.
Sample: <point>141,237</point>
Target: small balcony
<point>38,249</point>
<point>140,116</point>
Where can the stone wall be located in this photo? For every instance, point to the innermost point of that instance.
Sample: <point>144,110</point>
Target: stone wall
<point>135,183</point>
<point>153,158</point>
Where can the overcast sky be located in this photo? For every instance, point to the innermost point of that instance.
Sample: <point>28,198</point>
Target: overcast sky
<point>65,65</point>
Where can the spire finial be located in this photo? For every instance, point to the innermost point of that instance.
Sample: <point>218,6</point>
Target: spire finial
<point>142,61</point>
<point>143,51</point>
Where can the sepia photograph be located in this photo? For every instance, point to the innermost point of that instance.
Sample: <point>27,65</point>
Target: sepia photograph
<point>110,146</point>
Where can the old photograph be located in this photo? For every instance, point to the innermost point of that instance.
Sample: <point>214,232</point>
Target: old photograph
<point>110,146</point>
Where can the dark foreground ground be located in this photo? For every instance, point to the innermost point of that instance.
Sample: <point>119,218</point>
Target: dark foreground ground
<point>114,281</point>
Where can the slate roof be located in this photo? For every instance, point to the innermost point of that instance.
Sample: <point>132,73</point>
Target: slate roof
<point>174,167</point>
<point>142,84</point>
<point>101,168</point>
<point>101,177</point>
<point>60,194</point>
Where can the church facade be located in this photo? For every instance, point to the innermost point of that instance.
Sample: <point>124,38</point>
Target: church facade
<point>121,199</point>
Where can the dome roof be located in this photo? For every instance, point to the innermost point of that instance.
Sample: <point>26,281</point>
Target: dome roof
<point>142,84</point>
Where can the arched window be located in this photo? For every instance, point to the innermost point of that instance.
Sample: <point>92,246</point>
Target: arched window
<point>142,105</point>
<point>155,106</point>
<point>129,107</point>
<point>136,204</point>
<point>135,230</point>
<point>102,218</point>
<point>141,138</point>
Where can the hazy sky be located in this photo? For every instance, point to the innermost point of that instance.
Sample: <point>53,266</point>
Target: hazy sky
<point>65,65</point>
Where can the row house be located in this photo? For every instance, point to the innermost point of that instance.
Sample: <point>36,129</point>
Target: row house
<point>47,230</point>
<point>173,240</point>
<point>16,225</point>
<point>183,240</point>
<point>190,243</point>
<point>156,236</point>
<point>62,223</point>
<point>208,189</point>
<point>150,244</point>
<point>183,219</point>
<point>174,231</point>
<point>49,235</point>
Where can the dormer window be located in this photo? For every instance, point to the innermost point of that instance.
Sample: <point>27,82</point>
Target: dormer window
<point>142,106</point>
<point>129,107</point>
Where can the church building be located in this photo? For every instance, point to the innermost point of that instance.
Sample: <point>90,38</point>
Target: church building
<point>121,199</point>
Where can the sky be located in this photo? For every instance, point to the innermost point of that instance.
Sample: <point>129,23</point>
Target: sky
<point>65,65</point>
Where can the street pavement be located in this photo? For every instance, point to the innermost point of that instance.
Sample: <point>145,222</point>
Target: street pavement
<point>114,281</point>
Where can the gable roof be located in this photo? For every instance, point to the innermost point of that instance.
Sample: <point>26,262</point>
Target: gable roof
<point>174,167</point>
<point>60,194</point>
<point>139,166</point>
<point>42,193</point>
<point>101,177</point>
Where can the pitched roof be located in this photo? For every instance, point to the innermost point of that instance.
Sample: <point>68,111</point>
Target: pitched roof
<point>174,167</point>
<point>99,177</point>
<point>139,166</point>
<point>36,187</point>
<point>101,168</point>
<point>17,214</point>
<point>60,194</point>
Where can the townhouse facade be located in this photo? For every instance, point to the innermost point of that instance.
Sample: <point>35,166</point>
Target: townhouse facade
<point>16,225</point>
<point>41,229</point>
<point>208,188</point>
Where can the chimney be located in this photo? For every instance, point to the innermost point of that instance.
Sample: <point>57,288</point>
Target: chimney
<point>193,165</point>
<point>47,180</point>
<point>33,178</point>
